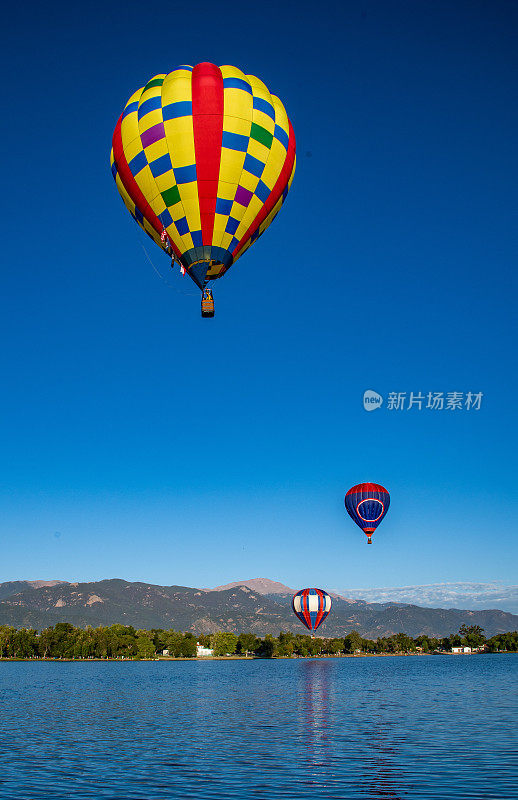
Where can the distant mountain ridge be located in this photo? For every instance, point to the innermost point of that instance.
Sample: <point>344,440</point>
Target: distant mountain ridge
<point>13,587</point>
<point>259,585</point>
<point>261,610</point>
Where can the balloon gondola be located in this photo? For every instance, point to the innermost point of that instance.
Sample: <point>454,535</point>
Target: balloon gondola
<point>207,303</point>
<point>367,504</point>
<point>311,606</point>
<point>203,158</point>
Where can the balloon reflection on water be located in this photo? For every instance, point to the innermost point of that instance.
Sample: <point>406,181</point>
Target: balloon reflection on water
<point>366,746</point>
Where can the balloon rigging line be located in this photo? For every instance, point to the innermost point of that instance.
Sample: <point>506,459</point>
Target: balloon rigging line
<point>164,280</point>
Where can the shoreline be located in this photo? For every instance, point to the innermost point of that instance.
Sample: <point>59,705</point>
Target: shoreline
<point>239,658</point>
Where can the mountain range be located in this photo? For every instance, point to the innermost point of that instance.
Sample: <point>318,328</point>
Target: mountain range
<point>257,605</point>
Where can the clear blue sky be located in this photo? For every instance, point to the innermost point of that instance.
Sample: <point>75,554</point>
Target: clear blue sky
<point>140,441</point>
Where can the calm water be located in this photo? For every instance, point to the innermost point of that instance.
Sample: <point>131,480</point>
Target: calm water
<point>429,727</point>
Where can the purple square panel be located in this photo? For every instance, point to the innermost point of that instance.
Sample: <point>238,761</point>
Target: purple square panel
<point>153,134</point>
<point>243,196</point>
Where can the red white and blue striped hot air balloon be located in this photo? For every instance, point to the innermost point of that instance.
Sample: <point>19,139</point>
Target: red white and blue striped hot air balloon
<point>367,504</point>
<point>312,607</point>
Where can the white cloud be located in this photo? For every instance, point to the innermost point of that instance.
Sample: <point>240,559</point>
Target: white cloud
<point>462,594</point>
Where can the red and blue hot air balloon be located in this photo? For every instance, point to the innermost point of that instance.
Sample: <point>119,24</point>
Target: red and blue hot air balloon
<point>312,607</point>
<point>367,504</point>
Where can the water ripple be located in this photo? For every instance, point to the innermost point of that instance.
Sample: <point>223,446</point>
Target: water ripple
<point>293,729</point>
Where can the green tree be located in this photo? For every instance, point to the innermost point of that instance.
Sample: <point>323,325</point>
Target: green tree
<point>121,641</point>
<point>99,638</point>
<point>473,634</point>
<point>268,647</point>
<point>63,640</point>
<point>334,646</point>
<point>174,642</point>
<point>159,638</point>
<point>424,643</point>
<point>353,641</point>
<point>503,643</point>
<point>315,646</point>
<point>86,643</point>
<point>145,645</point>
<point>246,643</point>
<point>188,646</point>
<point>301,645</point>
<point>404,643</point>
<point>224,643</point>
<point>285,649</point>
<point>7,638</point>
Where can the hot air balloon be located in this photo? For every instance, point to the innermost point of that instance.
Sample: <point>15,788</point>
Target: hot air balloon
<point>312,607</point>
<point>203,158</point>
<point>367,504</point>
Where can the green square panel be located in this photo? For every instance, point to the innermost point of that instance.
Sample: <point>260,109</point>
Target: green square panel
<point>171,196</point>
<point>261,135</point>
<point>154,82</point>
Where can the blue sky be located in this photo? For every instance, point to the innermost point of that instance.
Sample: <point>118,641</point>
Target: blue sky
<point>140,441</point>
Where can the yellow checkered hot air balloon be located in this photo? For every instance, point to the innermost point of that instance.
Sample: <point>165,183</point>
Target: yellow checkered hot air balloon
<point>203,158</point>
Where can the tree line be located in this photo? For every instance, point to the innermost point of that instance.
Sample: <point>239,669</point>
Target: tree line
<point>63,640</point>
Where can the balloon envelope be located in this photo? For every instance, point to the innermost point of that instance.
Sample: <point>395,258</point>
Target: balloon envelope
<point>203,158</point>
<point>311,607</point>
<point>367,504</point>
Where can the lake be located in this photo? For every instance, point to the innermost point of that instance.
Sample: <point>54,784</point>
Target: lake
<point>421,727</point>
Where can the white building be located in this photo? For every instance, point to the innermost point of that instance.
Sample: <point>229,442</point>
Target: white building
<point>203,652</point>
<point>461,649</point>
